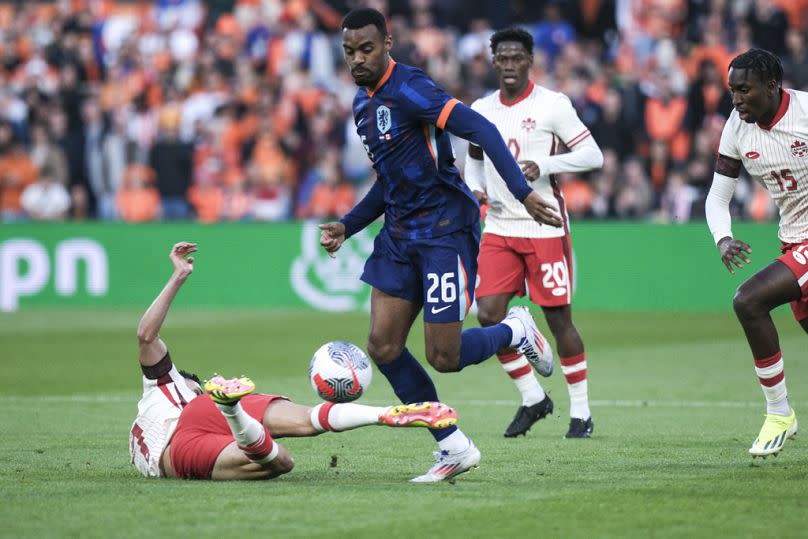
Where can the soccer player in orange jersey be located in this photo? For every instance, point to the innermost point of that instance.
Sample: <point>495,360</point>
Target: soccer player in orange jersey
<point>228,433</point>
<point>516,251</point>
<point>767,134</point>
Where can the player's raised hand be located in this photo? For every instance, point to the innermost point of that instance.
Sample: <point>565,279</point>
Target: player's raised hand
<point>530,169</point>
<point>183,264</point>
<point>332,237</point>
<point>481,196</point>
<point>734,252</point>
<point>541,211</point>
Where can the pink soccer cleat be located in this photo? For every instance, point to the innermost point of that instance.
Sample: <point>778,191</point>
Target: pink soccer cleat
<point>434,415</point>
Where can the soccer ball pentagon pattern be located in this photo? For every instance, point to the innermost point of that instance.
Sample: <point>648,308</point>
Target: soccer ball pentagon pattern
<point>340,372</point>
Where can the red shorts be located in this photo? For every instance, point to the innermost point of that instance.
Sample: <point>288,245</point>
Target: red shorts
<point>202,434</point>
<point>505,264</point>
<point>795,256</point>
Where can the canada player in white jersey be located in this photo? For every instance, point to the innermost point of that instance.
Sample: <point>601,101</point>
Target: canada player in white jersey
<point>767,134</point>
<point>516,252</point>
<point>224,430</point>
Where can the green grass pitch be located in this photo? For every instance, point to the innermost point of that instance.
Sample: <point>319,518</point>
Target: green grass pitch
<point>675,400</point>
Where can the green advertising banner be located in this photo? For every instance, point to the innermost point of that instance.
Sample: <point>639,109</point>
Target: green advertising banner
<point>618,266</point>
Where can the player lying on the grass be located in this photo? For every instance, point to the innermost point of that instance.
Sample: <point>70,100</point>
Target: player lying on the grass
<point>229,433</point>
<point>767,134</point>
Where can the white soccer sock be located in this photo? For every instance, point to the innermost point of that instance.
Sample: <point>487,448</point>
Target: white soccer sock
<point>340,417</point>
<point>579,400</point>
<point>773,382</point>
<point>250,434</point>
<point>517,330</point>
<point>456,442</point>
<point>523,377</point>
<point>574,369</point>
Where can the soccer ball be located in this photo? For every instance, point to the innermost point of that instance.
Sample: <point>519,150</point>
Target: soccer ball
<point>340,372</point>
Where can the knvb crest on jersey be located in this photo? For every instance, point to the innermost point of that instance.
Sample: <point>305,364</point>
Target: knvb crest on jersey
<point>528,124</point>
<point>799,148</point>
<point>383,119</point>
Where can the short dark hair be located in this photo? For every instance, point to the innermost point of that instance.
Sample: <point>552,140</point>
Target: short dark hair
<point>190,376</point>
<point>512,34</point>
<point>361,17</point>
<point>765,64</point>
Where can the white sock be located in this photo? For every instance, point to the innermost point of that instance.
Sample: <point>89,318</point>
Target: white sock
<point>574,369</point>
<point>250,434</point>
<point>579,400</point>
<point>517,329</point>
<point>456,442</point>
<point>523,377</point>
<point>530,388</point>
<point>246,429</point>
<point>772,378</point>
<point>341,417</point>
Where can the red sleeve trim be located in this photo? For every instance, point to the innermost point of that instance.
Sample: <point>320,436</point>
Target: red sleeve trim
<point>577,138</point>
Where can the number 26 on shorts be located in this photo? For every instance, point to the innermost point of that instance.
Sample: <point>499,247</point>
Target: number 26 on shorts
<point>443,284</point>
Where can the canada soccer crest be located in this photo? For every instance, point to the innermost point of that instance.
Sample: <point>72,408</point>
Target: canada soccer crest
<point>528,124</point>
<point>383,119</point>
<point>799,148</point>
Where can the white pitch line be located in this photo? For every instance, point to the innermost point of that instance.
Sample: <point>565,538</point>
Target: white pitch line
<point>633,403</point>
<point>101,398</point>
<point>132,397</point>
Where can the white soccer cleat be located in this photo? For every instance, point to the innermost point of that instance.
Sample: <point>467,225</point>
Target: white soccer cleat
<point>449,465</point>
<point>534,346</point>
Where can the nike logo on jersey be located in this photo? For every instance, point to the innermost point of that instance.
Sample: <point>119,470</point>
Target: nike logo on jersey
<point>360,122</point>
<point>436,311</point>
<point>752,155</point>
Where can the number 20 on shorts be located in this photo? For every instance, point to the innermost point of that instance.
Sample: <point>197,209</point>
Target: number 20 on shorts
<point>555,277</point>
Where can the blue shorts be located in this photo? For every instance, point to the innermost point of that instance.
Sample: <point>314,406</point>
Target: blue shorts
<point>438,273</point>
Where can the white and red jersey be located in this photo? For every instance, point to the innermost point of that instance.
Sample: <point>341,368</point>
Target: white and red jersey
<point>157,414</point>
<point>776,155</point>
<point>532,126</point>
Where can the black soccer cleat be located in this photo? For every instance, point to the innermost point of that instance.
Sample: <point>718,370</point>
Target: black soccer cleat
<point>527,415</point>
<point>580,428</point>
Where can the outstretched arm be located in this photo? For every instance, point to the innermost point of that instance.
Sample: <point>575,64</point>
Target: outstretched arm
<point>151,347</point>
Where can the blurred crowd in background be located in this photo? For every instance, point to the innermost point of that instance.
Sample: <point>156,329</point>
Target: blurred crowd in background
<point>232,110</point>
